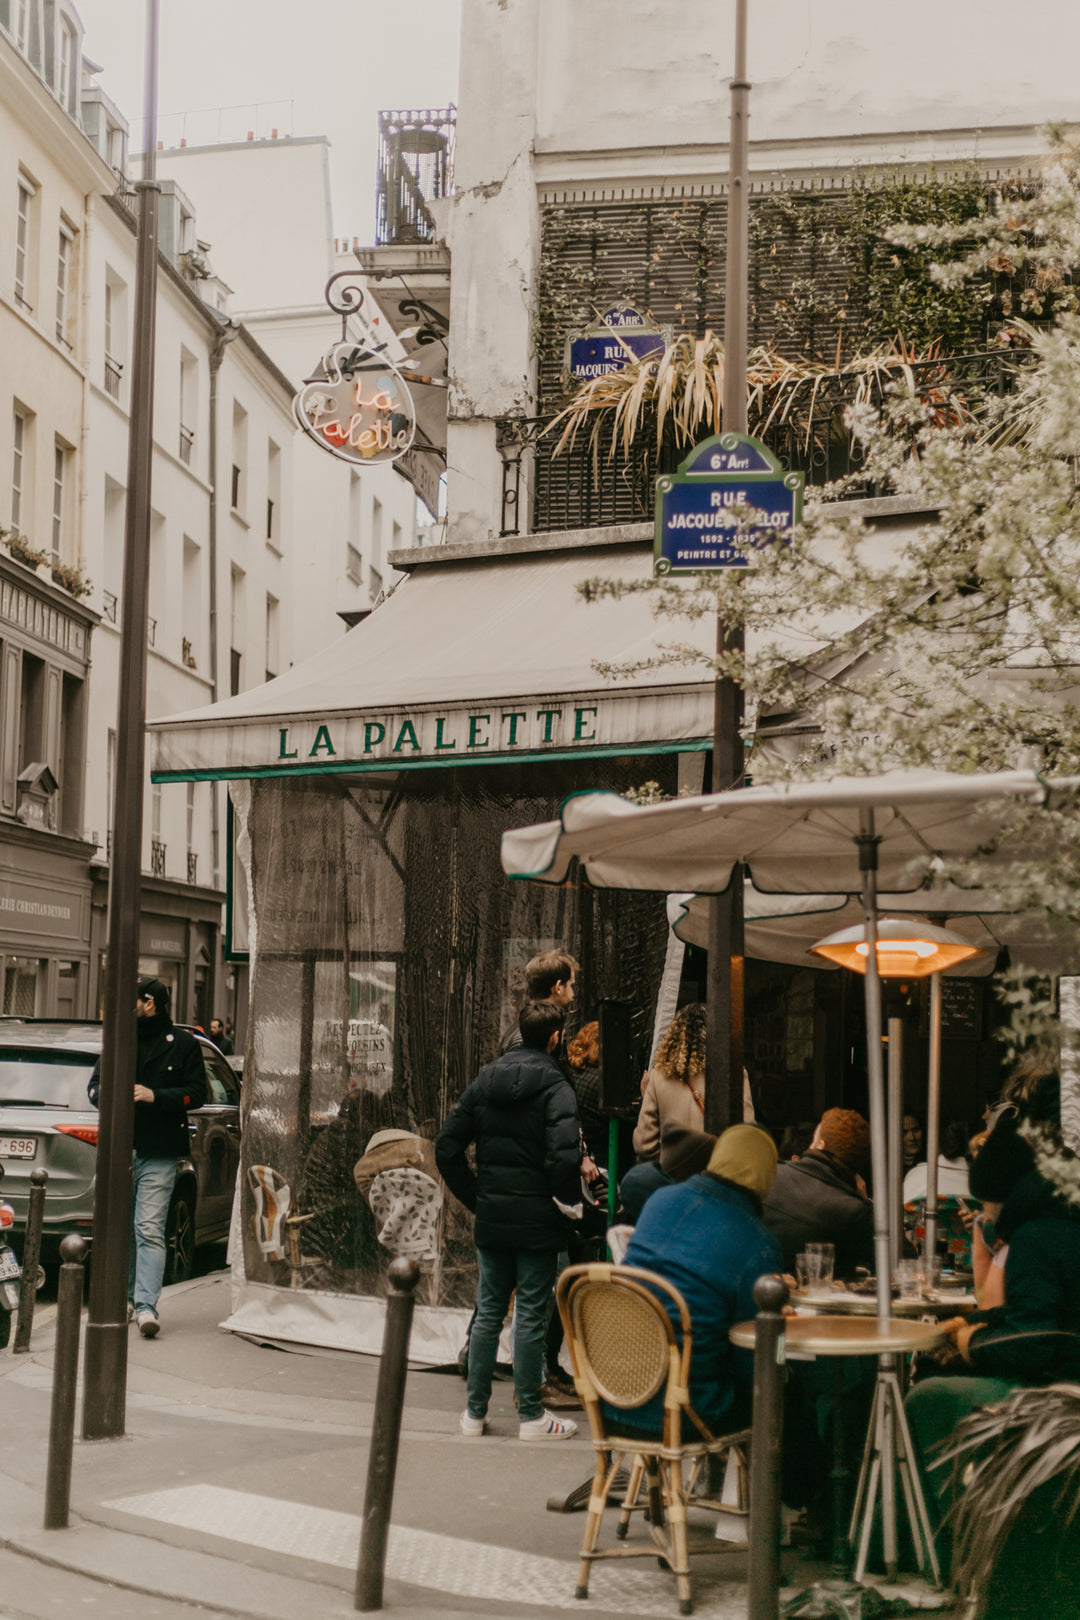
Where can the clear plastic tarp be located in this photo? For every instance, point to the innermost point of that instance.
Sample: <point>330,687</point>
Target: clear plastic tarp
<point>387,958</point>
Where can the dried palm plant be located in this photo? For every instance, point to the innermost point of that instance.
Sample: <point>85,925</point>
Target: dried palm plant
<point>1001,1455</point>
<point>678,395</point>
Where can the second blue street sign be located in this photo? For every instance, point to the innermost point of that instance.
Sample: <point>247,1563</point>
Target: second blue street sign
<point>729,495</point>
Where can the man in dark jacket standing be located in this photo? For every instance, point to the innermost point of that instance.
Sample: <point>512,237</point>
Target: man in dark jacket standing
<point>521,1113</point>
<point>170,1078</point>
<point>820,1198</point>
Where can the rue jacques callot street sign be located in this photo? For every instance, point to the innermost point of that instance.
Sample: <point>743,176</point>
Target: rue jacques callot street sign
<point>729,495</point>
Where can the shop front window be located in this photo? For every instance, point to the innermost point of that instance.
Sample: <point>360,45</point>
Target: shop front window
<point>23,980</point>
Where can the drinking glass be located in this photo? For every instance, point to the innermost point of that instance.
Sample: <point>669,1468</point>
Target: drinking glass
<point>931,1273</point>
<point>802,1272</point>
<point>826,1256</point>
<point>908,1278</point>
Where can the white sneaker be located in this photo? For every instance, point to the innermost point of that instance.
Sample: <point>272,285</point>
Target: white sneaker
<point>547,1427</point>
<point>147,1323</point>
<point>471,1425</point>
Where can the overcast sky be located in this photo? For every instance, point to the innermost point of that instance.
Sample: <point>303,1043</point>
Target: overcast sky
<point>304,67</point>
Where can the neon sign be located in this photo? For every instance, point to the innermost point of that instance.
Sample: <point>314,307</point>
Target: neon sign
<point>360,409</point>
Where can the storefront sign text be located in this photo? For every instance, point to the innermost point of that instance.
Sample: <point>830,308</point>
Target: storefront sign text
<point>440,736</point>
<point>729,495</point>
<point>360,409</point>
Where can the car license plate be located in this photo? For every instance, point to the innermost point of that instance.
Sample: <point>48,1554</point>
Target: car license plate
<point>9,1268</point>
<point>18,1147</point>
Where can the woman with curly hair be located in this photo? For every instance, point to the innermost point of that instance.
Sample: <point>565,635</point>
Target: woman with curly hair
<point>673,1089</point>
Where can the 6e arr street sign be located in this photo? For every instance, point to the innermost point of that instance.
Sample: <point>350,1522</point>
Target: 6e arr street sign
<point>729,495</point>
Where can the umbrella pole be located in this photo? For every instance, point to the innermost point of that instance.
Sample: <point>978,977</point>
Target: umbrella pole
<point>868,860</point>
<point>933,1121</point>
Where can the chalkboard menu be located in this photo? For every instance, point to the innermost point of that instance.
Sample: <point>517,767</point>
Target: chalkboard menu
<point>961,1009</point>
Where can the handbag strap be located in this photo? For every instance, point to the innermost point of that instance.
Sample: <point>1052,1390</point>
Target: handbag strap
<point>696,1098</point>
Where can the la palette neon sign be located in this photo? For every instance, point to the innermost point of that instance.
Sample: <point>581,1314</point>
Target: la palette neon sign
<point>360,410</point>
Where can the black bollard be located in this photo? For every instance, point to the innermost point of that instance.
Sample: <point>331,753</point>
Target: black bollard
<point>65,1383</point>
<point>763,1575</point>
<point>35,1214</point>
<point>385,1434</point>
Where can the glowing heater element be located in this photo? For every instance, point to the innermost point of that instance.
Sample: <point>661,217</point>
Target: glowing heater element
<point>906,948</point>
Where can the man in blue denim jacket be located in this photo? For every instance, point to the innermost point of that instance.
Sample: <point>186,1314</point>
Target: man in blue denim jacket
<point>706,1237</point>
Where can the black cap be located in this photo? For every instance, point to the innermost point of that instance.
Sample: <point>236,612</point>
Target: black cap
<point>159,991</point>
<point>1003,1159</point>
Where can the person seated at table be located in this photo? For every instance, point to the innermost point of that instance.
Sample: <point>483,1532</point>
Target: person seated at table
<point>796,1139</point>
<point>706,1237</point>
<point>821,1197</point>
<point>683,1153</point>
<point>955,1215</point>
<point>1034,1337</point>
<point>914,1141</point>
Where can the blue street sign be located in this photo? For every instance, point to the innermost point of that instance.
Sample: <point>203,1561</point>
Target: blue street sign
<point>730,494</point>
<point>603,348</point>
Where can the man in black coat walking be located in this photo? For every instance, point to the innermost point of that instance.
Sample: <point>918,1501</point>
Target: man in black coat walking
<point>521,1113</point>
<point>170,1078</point>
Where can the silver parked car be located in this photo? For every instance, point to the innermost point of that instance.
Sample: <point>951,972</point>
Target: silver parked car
<point>47,1121</point>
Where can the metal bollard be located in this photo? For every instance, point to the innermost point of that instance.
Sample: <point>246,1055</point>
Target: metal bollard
<point>385,1434</point>
<point>65,1382</point>
<point>763,1574</point>
<point>35,1214</point>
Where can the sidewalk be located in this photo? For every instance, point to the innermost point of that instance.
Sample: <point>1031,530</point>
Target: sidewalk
<point>239,1483</point>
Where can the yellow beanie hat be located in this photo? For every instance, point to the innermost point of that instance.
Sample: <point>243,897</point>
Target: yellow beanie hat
<point>746,1155</point>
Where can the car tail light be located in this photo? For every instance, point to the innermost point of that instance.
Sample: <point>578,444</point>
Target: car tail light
<point>7,1215</point>
<point>85,1133</point>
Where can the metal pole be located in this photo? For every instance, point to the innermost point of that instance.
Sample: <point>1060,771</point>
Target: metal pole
<point>868,860</point>
<point>724,997</point>
<point>385,1434</point>
<point>35,1214</point>
<point>896,1137</point>
<point>106,1332</point>
<point>763,1569</point>
<point>933,1120</point>
<point>65,1383</point>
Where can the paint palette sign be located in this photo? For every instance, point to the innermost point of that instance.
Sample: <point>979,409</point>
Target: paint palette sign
<point>728,496</point>
<point>359,407</point>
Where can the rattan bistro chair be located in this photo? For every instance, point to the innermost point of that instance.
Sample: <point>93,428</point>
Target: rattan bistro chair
<point>624,1350</point>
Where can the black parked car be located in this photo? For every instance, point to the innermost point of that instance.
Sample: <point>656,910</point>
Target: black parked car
<point>47,1121</point>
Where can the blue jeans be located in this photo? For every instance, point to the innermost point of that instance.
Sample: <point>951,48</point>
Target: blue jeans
<point>532,1273</point>
<point>152,1183</point>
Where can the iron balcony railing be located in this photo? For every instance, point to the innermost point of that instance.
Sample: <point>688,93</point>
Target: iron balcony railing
<point>157,858</point>
<point>583,488</point>
<point>415,168</point>
<point>113,370</point>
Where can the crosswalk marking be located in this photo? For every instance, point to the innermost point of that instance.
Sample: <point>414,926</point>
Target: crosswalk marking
<point>422,1557</point>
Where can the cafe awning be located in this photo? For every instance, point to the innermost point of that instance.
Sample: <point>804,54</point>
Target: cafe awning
<point>466,662</point>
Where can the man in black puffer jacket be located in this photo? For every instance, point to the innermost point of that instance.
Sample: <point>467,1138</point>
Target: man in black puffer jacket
<point>521,1113</point>
<point>170,1078</point>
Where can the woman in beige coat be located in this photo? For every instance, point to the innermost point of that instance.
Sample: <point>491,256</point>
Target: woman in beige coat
<point>673,1090</point>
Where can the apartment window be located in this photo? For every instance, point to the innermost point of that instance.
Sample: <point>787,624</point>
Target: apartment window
<point>190,817</point>
<point>24,219</point>
<point>115,333</point>
<point>354,564</point>
<point>61,457</point>
<point>238,494</point>
<point>63,279</point>
<point>272,637</point>
<point>236,629</point>
<point>66,83</point>
<point>273,496</point>
<point>114,150</point>
<point>19,434</point>
<point>376,582</point>
<point>191,646</point>
<point>20,23</point>
<point>397,537</point>
<point>31,746</point>
<point>189,377</point>
<point>376,532</point>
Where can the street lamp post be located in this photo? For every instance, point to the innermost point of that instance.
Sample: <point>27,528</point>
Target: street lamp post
<point>724,997</point>
<point>105,1385</point>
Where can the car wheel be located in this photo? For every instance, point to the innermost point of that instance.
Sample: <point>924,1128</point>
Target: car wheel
<point>180,1239</point>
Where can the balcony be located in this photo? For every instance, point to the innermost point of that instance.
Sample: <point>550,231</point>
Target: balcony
<point>157,858</point>
<point>113,371</point>
<point>580,489</point>
<point>187,440</point>
<point>192,866</point>
<point>416,167</point>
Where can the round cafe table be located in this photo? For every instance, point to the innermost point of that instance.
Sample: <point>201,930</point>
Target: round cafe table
<point>843,1303</point>
<point>888,1436</point>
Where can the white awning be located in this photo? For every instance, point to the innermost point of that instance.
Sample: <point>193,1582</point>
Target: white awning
<point>466,662</point>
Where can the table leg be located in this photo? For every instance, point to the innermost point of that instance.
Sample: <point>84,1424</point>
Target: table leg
<point>841,1549</point>
<point>888,1480</point>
